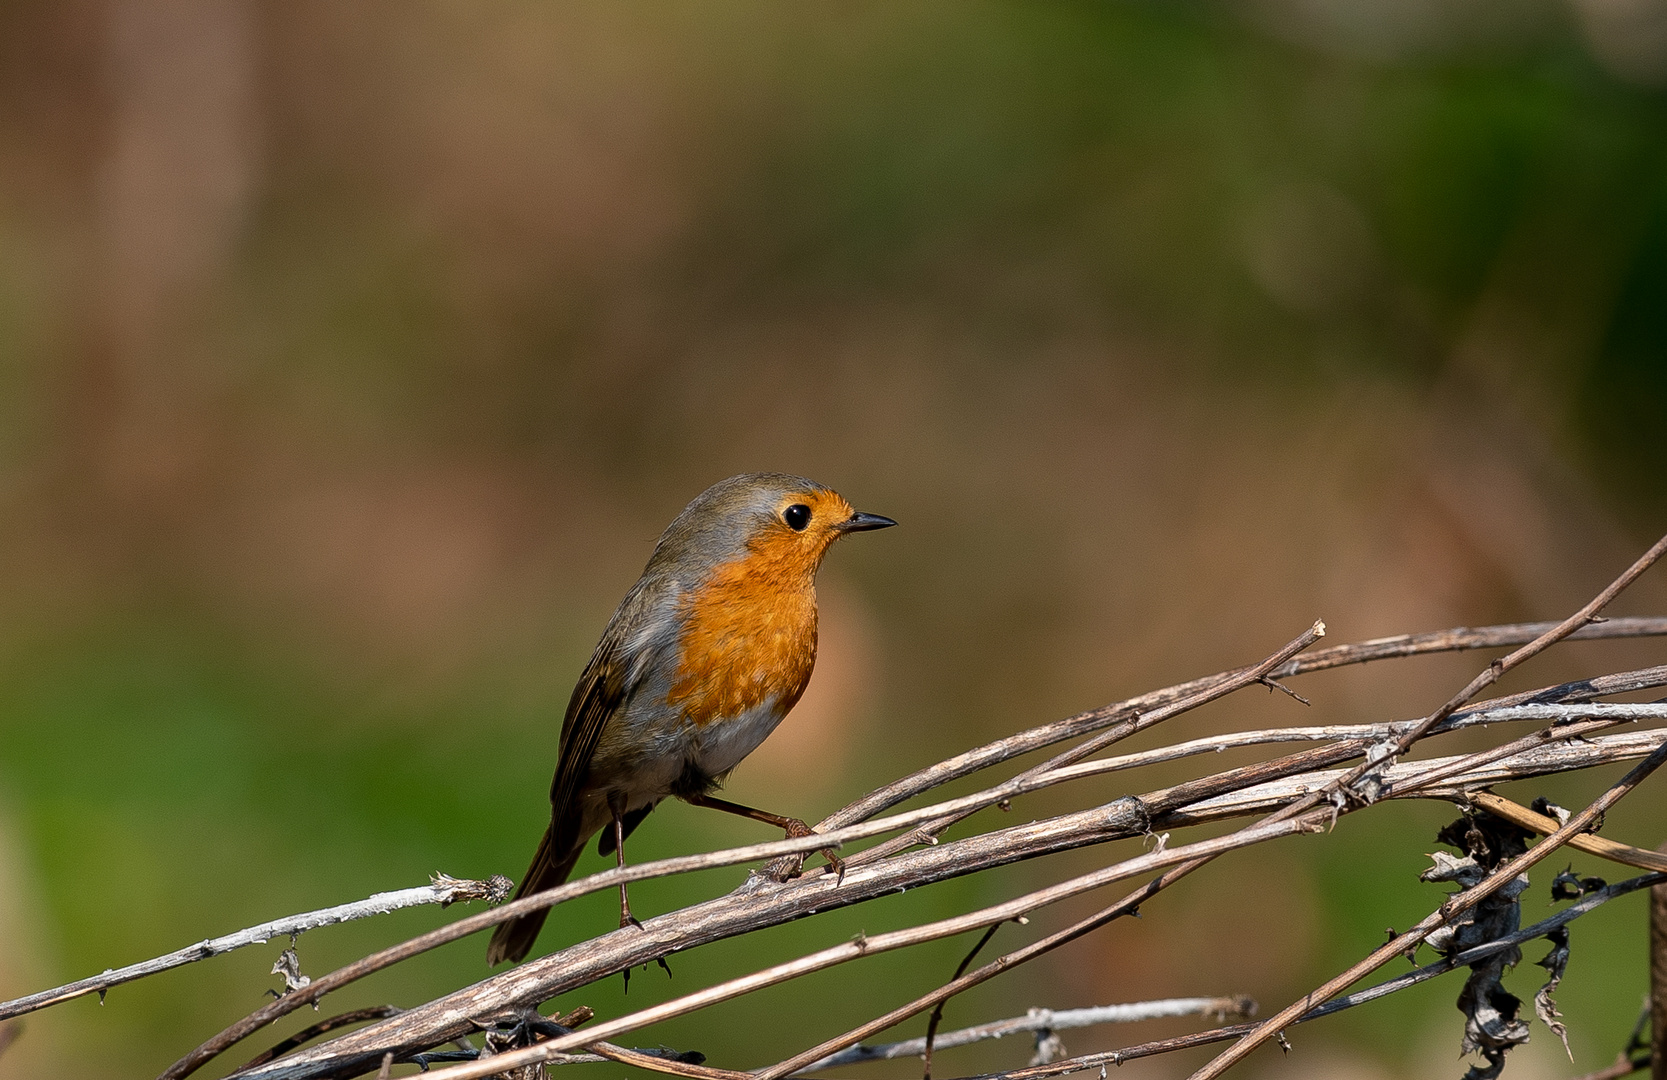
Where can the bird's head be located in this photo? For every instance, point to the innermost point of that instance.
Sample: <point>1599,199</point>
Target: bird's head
<point>787,520</point>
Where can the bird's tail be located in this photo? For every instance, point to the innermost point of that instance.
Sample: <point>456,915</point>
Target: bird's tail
<point>514,939</point>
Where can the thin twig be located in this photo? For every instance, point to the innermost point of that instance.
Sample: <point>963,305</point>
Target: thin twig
<point>602,884</point>
<point>1335,791</point>
<point>1124,906</point>
<point>1455,905</point>
<point>1041,1020</point>
<point>306,1035</point>
<point>1407,780</point>
<point>1481,716</point>
<point>1275,684</point>
<point>1637,1055</point>
<point>607,879</point>
<point>937,1011</point>
<point>1067,766</point>
<point>1624,1066</point>
<point>1626,854</point>
<point>237,1031</point>
<point>661,1064</point>
<point>443,890</point>
<point>1121,908</point>
<point>1350,653</point>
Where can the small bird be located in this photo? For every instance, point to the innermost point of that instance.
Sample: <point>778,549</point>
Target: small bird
<point>705,655</point>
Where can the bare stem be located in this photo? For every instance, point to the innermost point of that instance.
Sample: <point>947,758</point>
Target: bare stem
<point>444,890</point>
<point>1042,1020</point>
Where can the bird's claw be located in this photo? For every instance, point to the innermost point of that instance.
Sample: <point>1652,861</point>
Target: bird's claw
<point>789,867</point>
<point>785,869</point>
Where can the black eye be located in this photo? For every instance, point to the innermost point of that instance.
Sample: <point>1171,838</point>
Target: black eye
<point>797,516</point>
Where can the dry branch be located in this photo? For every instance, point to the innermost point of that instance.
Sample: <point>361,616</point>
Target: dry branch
<point>1625,854</point>
<point>442,890</point>
<point>1137,722</point>
<point>1043,1020</point>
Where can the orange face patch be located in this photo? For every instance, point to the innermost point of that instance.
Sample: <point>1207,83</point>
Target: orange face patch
<point>749,632</point>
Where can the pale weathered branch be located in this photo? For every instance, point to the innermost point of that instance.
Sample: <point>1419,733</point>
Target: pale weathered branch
<point>363,1045</point>
<point>277,1008</point>
<point>1042,1020</point>
<point>443,890</point>
<point>1408,778</point>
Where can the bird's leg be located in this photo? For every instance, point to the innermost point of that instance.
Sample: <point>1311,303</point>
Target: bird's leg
<point>625,916</point>
<point>792,826</point>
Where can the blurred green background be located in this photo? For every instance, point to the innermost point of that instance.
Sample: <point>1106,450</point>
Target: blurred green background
<point>352,356</point>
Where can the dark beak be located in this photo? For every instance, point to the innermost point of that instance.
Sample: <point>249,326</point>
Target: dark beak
<point>861,522</point>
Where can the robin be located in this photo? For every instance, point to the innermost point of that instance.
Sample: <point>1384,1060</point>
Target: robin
<point>707,652</point>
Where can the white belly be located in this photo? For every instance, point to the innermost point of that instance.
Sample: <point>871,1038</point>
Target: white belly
<point>719,747</point>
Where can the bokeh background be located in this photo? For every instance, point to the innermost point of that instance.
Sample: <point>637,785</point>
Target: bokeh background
<point>352,356</point>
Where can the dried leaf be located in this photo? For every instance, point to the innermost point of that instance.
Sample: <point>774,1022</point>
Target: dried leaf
<point>1570,886</point>
<point>1543,805</point>
<point>1049,1048</point>
<point>289,966</point>
<point>1493,1023</point>
<point>1555,963</point>
<point>1465,871</point>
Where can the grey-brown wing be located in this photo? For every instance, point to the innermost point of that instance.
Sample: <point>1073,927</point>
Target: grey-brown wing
<point>600,692</point>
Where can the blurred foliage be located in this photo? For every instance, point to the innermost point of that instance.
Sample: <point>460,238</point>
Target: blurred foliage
<point>351,357</point>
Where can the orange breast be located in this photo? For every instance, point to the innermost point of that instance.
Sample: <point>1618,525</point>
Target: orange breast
<point>749,636</point>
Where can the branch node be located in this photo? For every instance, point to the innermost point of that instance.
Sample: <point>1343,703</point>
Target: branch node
<point>1274,684</point>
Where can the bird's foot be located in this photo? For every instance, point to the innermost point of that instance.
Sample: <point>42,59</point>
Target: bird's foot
<point>791,866</point>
